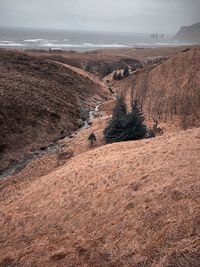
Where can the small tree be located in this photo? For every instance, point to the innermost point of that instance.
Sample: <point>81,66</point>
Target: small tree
<point>125,126</point>
<point>135,123</point>
<point>126,72</point>
<point>115,76</point>
<point>106,69</point>
<point>120,109</point>
<point>115,127</point>
<point>119,76</point>
<point>88,67</point>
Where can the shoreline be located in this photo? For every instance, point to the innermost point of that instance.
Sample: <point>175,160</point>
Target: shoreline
<point>90,47</point>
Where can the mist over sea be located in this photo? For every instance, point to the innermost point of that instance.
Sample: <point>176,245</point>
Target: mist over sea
<point>78,40</point>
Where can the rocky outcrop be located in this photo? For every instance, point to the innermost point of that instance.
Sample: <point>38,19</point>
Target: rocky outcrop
<point>189,34</point>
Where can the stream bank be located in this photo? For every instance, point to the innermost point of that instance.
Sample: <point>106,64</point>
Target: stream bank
<point>54,148</point>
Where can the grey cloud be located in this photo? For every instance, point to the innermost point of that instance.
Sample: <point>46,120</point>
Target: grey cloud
<point>112,15</point>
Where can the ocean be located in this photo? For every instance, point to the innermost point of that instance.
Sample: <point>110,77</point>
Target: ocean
<point>78,40</point>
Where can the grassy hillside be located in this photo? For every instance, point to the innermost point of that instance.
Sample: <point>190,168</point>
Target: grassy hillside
<point>126,204</point>
<point>133,204</point>
<point>168,90</point>
<point>40,101</point>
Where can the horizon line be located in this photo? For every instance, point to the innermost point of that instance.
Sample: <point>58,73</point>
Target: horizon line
<point>81,30</point>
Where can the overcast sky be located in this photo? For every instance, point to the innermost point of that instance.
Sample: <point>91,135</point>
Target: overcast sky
<point>139,16</point>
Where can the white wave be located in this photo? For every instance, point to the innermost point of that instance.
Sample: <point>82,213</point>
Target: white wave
<point>104,45</point>
<point>66,40</point>
<point>34,40</point>
<point>58,45</point>
<point>84,45</point>
<point>12,44</point>
<point>6,42</point>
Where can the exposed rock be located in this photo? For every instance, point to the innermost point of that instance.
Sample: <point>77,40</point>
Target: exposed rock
<point>189,34</point>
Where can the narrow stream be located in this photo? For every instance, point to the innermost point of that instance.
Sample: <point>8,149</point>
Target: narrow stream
<point>92,115</point>
<point>51,149</point>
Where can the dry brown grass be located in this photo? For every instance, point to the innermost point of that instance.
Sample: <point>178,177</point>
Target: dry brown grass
<point>110,55</point>
<point>169,89</point>
<point>131,204</point>
<point>40,101</point>
<point>126,204</point>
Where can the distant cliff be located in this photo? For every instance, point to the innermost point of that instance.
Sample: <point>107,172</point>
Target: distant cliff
<point>189,33</point>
